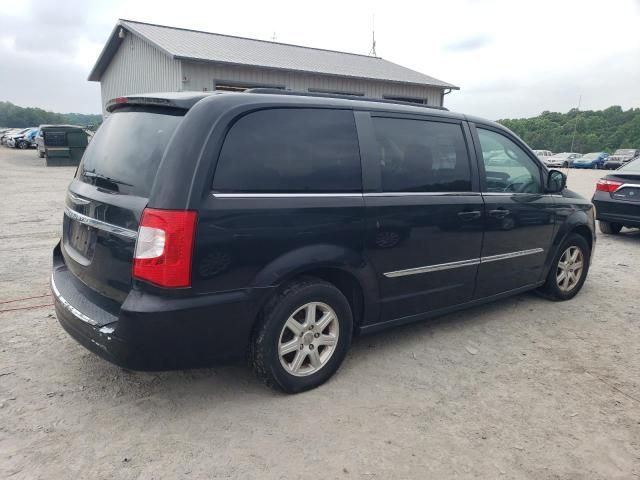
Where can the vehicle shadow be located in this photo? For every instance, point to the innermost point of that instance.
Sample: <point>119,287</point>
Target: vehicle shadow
<point>192,389</point>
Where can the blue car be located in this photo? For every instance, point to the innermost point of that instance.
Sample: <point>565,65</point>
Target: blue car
<point>590,160</point>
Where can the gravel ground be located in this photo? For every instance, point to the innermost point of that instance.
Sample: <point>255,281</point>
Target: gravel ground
<point>522,388</point>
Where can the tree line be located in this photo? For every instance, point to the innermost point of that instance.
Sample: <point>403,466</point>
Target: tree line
<point>14,116</point>
<point>595,130</point>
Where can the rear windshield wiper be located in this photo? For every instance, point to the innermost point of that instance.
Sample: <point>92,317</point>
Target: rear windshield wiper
<point>105,178</point>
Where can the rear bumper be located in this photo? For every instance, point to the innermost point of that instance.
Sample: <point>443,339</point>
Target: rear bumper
<point>149,332</point>
<point>615,211</point>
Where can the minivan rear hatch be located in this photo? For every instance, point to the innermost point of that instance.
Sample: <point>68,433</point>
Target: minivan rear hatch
<point>111,188</point>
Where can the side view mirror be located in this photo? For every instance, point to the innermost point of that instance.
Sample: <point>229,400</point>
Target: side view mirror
<point>556,181</point>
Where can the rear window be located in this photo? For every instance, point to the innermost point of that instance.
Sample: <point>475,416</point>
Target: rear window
<point>125,152</point>
<point>290,151</point>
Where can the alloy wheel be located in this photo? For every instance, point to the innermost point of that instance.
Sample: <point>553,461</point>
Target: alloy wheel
<point>570,268</point>
<point>308,339</point>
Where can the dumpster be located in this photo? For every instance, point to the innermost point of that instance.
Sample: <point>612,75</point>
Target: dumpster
<point>61,145</point>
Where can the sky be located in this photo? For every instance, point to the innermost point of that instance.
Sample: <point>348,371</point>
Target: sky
<point>511,59</point>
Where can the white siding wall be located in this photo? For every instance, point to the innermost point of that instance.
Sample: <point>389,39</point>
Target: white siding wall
<point>139,67</point>
<point>202,75</point>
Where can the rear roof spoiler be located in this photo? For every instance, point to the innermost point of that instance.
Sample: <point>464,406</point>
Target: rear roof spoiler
<point>181,100</point>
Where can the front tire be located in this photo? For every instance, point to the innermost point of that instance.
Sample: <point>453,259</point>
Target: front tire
<point>303,336</point>
<point>609,228</point>
<point>569,269</point>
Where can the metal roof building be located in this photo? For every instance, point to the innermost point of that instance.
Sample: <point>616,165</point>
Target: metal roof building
<point>143,58</point>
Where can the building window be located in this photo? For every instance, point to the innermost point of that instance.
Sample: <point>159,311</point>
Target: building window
<point>233,86</point>
<point>336,92</point>
<point>419,101</point>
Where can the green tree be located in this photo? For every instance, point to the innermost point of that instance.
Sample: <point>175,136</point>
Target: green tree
<point>596,130</point>
<point>14,116</point>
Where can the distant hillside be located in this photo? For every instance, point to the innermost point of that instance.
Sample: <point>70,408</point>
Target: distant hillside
<point>14,116</point>
<point>598,130</point>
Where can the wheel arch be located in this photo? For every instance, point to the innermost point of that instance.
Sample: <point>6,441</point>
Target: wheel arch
<point>578,223</point>
<point>346,269</point>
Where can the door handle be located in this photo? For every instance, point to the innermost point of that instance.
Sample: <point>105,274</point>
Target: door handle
<point>469,215</point>
<point>499,213</point>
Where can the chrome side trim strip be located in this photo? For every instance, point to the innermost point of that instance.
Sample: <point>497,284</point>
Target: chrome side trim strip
<point>70,308</point>
<point>627,185</point>
<point>420,194</point>
<point>285,195</point>
<point>107,227</point>
<point>340,195</point>
<point>462,263</point>
<point>511,194</point>
<point>433,268</point>
<point>507,256</point>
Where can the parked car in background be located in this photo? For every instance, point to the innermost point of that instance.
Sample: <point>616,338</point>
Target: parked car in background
<point>617,199</point>
<point>4,138</point>
<point>205,228</point>
<point>542,154</point>
<point>17,140</point>
<point>590,160</point>
<point>620,157</point>
<point>24,139</point>
<point>561,159</point>
<point>3,131</point>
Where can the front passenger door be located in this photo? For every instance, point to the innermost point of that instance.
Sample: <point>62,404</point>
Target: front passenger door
<point>519,215</point>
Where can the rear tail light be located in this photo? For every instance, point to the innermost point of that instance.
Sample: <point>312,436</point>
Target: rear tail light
<point>164,249</point>
<point>609,186</point>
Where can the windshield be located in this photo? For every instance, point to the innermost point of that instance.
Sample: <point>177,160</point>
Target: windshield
<point>125,152</point>
<point>625,151</point>
<point>631,167</point>
<point>591,156</point>
<point>561,155</point>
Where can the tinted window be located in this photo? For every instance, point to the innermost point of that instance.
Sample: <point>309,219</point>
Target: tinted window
<point>422,156</point>
<point>125,152</point>
<point>507,167</point>
<point>290,151</point>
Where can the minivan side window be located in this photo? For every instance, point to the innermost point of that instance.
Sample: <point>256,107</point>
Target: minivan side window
<point>288,150</point>
<point>422,156</point>
<point>507,167</point>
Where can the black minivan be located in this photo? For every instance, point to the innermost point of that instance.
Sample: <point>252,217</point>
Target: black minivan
<point>210,227</point>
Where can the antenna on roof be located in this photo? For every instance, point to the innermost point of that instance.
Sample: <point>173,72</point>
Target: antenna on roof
<point>273,37</point>
<point>372,52</point>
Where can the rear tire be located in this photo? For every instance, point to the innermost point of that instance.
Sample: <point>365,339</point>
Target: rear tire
<point>292,349</point>
<point>40,154</point>
<point>565,165</point>
<point>569,269</point>
<point>609,228</point>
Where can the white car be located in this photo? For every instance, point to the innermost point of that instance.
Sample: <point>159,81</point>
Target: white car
<point>561,159</point>
<point>542,154</point>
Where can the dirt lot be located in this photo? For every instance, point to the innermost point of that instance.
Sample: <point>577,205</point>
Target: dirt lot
<point>523,388</point>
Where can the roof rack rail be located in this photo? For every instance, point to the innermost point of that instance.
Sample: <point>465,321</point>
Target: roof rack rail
<point>278,91</point>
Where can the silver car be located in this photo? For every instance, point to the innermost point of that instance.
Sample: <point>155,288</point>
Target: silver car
<point>561,159</point>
